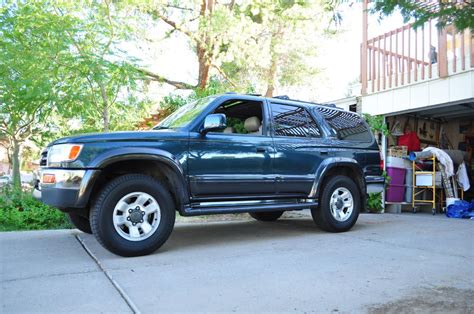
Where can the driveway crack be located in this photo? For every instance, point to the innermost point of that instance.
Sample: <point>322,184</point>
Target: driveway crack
<point>108,275</point>
<point>49,275</point>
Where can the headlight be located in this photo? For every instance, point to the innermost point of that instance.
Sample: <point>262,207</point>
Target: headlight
<point>64,152</point>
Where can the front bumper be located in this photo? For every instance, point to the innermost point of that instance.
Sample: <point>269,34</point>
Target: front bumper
<point>71,189</point>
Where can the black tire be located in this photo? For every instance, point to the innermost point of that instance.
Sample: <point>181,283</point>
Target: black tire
<point>80,222</point>
<point>322,214</point>
<point>102,211</point>
<point>266,216</point>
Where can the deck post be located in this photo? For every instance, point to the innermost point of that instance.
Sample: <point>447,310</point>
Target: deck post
<point>442,53</point>
<point>363,53</point>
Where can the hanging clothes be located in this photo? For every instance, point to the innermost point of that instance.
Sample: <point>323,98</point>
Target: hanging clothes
<point>462,177</point>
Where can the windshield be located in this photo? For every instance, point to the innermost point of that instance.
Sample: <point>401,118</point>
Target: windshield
<point>184,115</point>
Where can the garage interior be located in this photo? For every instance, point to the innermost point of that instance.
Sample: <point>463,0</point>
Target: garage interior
<point>450,128</point>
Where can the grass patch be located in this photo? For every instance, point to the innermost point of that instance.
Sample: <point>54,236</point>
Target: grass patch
<point>19,210</point>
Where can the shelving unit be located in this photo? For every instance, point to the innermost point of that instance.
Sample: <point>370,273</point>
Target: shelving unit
<point>420,189</point>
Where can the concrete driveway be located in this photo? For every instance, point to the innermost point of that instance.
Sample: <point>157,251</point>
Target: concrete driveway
<point>387,263</point>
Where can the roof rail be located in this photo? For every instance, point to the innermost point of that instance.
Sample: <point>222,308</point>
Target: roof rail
<point>254,94</point>
<point>285,97</point>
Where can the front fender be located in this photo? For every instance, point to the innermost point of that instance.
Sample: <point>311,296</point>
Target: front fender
<point>142,153</point>
<point>327,165</point>
<point>126,153</point>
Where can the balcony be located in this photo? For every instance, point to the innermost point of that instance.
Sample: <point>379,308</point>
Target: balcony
<point>407,56</point>
<point>406,69</point>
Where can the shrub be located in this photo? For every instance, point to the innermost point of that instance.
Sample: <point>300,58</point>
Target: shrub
<point>374,202</point>
<point>19,210</point>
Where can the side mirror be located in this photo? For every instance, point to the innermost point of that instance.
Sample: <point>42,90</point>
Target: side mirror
<point>214,122</point>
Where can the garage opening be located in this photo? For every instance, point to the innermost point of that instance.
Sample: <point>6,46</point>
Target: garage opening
<point>418,181</point>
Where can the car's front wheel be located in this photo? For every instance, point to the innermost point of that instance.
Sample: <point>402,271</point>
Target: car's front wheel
<point>266,216</point>
<point>133,215</point>
<point>339,205</point>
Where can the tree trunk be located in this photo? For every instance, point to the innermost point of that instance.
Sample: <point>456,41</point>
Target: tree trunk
<point>204,52</point>
<point>105,117</point>
<point>105,111</point>
<point>271,77</point>
<point>16,164</point>
<point>204,67</point>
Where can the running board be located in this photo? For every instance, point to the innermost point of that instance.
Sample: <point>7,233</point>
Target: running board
<point>213,210</point>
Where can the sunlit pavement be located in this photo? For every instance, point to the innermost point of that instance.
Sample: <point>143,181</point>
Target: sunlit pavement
<point>247,266</point>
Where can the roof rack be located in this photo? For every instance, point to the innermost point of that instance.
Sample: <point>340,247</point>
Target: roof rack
<point>285,97</point>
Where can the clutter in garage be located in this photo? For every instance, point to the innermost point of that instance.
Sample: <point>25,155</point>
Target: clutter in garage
<point>429,160</point>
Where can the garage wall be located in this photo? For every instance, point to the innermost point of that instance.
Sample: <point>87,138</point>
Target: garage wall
<point>451,128</point>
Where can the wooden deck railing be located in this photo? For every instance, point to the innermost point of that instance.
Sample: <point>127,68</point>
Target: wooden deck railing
<point>406,55</point>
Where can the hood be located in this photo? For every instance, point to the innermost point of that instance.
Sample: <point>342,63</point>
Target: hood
<point>151,135</point>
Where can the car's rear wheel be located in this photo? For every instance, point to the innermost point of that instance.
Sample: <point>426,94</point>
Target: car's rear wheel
<point>339,205</point>
<point>266,216</point>
<point>133,215</point>
<point>80,222</point>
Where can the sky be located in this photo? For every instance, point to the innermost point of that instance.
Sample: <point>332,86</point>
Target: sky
<point>339,57</point>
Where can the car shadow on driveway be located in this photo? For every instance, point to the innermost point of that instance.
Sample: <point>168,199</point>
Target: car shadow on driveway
<point>195,235</point>
<point>218,236</point>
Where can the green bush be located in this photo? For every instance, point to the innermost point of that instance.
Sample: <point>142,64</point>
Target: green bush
<point>19,210</point>
<point>374,202</point>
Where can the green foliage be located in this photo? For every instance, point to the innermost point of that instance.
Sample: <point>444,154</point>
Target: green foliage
<point>20,211</point>
<point>32,42</point>
<point>274,49</point>
<point>172,102</point>
<point>377,124</point>
<point>386,177</point>
<point>237,124</point>
<point>106,79</point>
<point>214,86</point>
<point>61,62</point>
<point>448,12</point>
<point>374,202</point>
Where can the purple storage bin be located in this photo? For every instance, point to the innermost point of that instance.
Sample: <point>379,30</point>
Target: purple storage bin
<point>395,193</point>
<point>397,175</point>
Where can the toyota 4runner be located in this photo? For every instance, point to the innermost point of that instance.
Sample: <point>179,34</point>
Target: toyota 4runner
<point>222,154</point>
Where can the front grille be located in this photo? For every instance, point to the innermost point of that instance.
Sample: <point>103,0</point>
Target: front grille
<point>44,158</point>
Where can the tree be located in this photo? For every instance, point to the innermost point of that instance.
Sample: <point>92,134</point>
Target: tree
<point>248,43</point>
<point>102,70</point>
<point>61,61</point>
<point>204,24</point>
<point>459,13</point>
<point>30,73</point>
<point>285,37</point>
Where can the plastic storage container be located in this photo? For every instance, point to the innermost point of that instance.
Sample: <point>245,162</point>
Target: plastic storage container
<point>409,186</point>
<point>395,193</point>
<point>397,175</point>
<point>398,162</point>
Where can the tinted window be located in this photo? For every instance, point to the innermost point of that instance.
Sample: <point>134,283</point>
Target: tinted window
<point>347,125</point>
<point>293,121</point>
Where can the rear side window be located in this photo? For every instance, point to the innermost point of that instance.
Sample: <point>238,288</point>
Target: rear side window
<point>293,121</point>
<point>347,125</point>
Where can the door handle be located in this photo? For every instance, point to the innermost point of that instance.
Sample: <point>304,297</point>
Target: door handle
<point>324,152</point>
<point>261,149</point>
